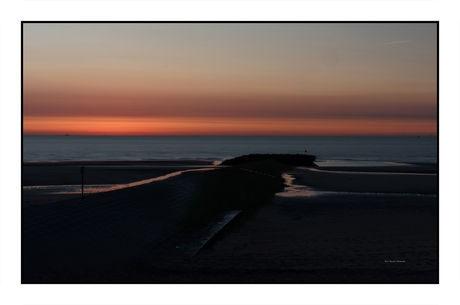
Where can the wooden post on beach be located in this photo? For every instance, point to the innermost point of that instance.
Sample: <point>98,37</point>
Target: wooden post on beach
<point>82,170</point>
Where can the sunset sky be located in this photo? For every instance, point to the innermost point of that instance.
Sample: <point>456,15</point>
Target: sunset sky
<point>230,79</point>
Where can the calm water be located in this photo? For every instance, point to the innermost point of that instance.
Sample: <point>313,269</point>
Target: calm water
<point>393,149</point>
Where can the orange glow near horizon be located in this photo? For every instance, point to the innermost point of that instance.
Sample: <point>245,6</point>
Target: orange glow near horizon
<point>230,79</point>
<point>224,126</point>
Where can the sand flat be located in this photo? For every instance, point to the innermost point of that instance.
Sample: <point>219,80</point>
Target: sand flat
<point>68,241</point>
<point>335,232</point>
<point>402,179</point>
<point>334,238</point>
<point>338,237</point>
<point>101,172</point>
<point>97,172</point>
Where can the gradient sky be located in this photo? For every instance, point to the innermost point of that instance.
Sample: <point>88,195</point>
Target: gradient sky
<point>230,79</point>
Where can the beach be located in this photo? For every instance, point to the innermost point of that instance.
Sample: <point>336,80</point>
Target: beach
<point>96,172</point>
<point>411,179</point>
<point>336,238</point>
<point>357,225</point>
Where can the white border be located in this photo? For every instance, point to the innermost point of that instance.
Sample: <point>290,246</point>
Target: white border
<point>13,11</point>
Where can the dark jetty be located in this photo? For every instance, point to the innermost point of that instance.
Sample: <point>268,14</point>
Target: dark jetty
<point>289,159</point>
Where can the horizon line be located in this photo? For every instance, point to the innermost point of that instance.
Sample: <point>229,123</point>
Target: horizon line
<point>236,135</point>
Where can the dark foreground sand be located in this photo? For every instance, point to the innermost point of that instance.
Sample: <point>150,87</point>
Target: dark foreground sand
<point>334,238</point>
<point>131,235</point>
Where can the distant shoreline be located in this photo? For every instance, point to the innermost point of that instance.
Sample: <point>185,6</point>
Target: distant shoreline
<point>204,162</point>
<point>211,148</point>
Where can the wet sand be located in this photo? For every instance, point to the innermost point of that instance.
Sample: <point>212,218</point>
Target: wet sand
<point>334,238</point>
<point>416,179</point>
<point>103,172</point>
<point>331,239</point>
<point>104,236</point>
<point>96,172</point>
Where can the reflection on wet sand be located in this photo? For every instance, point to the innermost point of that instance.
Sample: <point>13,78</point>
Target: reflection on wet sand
<point>330,185</point>
<point>99,188</point>
<point>293,190</point>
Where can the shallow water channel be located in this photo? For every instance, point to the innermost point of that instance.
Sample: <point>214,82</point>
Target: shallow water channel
<point>298,190</point>
<point>70,189</point>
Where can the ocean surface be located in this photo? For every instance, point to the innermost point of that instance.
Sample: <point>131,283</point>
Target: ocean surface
<point>333,150</point>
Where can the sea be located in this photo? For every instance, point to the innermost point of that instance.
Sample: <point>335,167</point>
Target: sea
<point>333,150</point>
